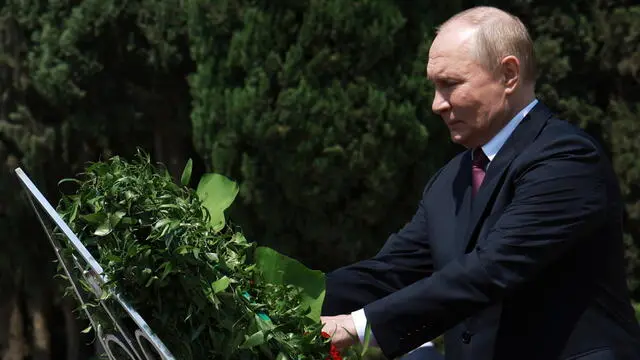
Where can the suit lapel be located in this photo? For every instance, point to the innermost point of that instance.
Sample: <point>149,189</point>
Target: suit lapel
<point>522,136</point>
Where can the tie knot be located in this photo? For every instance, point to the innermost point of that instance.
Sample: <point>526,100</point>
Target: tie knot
<point>479,158</point>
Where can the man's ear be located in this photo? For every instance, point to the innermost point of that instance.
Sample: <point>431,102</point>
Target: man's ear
<point>510,72</point>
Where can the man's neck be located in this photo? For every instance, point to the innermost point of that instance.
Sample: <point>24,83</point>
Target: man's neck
<point>494,144</point>
<point>514,105</point>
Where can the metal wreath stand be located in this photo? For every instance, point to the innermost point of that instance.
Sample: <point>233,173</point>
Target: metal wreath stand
<point>129,336</point>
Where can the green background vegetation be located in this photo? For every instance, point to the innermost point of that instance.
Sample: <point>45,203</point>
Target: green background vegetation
<point>318,108</point>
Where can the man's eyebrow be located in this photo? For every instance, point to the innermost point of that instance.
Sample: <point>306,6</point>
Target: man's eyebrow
<point>439,76</point>
<point>432,76</point>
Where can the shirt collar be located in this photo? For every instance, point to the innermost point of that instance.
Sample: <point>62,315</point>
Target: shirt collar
<point>493,146</point>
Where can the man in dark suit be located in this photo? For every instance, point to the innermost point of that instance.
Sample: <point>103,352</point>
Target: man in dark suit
<point>515,251</point>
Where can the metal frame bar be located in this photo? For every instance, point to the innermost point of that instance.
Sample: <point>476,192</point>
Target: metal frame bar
<point>94,275</point>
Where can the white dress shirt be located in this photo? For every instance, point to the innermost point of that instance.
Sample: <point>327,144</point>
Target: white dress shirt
<point>491,150</point>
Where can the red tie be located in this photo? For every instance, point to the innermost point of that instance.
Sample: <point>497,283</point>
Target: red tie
<point>480,160</point>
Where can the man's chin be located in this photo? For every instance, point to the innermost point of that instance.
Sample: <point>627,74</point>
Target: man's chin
<point>459,139</point>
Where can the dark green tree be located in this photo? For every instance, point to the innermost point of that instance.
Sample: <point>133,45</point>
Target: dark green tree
<point>80,81</point>
<point>320,109</point>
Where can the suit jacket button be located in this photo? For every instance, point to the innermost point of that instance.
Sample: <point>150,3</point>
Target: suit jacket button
<point>466,337</point>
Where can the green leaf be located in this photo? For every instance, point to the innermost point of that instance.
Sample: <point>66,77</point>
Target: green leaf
<point>264,323</point>
<point>160,223</point>
<point>128,221</point>
<point>255,339</point>
<point>220,285</point>
<point>367,340</point>
<point>151,279</point>
<point>183,249</point>
<point>217,193</point>
<point>109,224</point>
<point>212,257</point>
<point>280,269</point>
<point>73,180</point>
<point>95,218</point>
<point>198,331</point>
<point>74,211</point>
<point>167,269</point>
<point>104,229</point>
<point>115,218</point>
<point>186,173</point>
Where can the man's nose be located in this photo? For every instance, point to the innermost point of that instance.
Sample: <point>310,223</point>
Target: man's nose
<point>440,104</point>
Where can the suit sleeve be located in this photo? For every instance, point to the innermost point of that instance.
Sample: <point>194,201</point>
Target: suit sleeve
<point>557,199</point>
<point>404,259</point>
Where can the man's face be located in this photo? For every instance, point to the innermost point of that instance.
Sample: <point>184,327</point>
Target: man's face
<point>469,98</point>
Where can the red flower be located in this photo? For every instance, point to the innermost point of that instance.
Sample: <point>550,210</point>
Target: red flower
<point>334,354</point>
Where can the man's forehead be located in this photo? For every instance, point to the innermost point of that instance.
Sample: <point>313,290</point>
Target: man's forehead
<point>453,39</point>
<point>436,70</point>
<point>448,64</point>
<point>434,66</point>
<point>453,44</point>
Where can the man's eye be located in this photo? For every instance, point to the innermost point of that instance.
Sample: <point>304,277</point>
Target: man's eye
<point>446,83</point>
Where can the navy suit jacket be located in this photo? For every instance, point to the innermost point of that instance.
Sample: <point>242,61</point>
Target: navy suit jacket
<point>531,268</point>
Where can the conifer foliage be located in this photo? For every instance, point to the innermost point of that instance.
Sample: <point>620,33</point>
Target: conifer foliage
<point>318,108</point>
<point>321,111</point>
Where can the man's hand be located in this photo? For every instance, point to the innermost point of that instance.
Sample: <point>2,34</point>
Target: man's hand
<point>342,330</point>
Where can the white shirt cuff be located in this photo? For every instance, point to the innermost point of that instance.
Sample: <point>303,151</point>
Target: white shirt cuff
<point>360,321</point>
